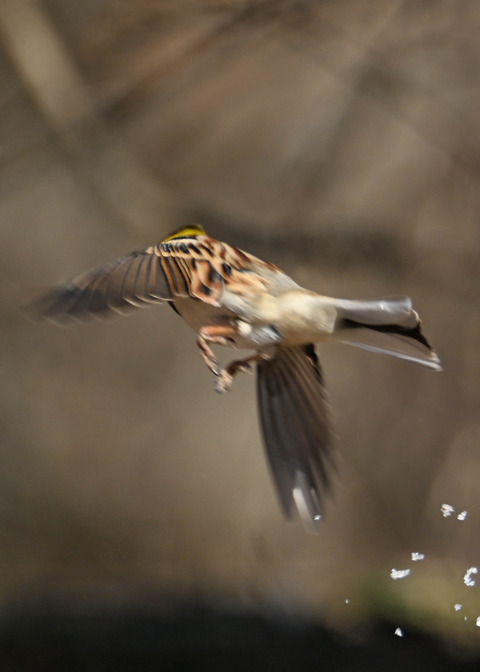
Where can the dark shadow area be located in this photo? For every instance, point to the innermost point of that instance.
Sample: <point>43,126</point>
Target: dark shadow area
<point>196,638</point>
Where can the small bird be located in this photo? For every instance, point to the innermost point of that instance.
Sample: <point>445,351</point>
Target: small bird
<point>231,298</point>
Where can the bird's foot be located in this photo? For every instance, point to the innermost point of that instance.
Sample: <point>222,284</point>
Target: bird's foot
<point>225,376</point>
<point>224,381</point>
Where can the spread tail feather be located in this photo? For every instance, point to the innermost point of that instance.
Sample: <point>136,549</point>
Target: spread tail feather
<point>388,326</point>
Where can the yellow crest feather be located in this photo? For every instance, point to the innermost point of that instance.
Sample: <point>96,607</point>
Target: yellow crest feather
<point>186,231</point>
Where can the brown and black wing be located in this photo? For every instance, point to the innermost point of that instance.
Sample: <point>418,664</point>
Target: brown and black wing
<point>195,266</point>
<point>294,417</point>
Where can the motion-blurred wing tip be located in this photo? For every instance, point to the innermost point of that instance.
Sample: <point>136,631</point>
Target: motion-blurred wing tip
<point>307,503</point>
<point>40,308</point>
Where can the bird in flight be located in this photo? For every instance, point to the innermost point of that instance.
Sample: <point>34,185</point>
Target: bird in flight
<point>231,298</point>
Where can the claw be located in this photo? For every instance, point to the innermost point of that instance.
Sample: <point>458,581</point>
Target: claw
<point>224,381</point>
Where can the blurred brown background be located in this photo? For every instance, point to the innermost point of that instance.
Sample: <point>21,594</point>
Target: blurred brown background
<point>338,139</point>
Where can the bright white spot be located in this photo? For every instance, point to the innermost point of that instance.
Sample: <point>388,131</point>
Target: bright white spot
<point>477,622</point>
<point>418,556</point>
<point>462,516</point>
<point>467,579</point>
<point>399,573</point>
<point>301,504</point>
<point>446,510</point>
<point>317,517</point>
<point>347,601</point>
<point>457,607</point>
<point>399,632</point>
<point>244,328</point>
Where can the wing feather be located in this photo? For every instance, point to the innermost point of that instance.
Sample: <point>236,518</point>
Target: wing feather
<point>188,265</point>
<point>296,429</point>
<point>134,280</point>
<point>308,393</point>
<point>277,444</point>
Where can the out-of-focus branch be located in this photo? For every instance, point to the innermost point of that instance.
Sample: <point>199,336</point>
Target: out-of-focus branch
<point>58,90</point>
<point>44,65</point>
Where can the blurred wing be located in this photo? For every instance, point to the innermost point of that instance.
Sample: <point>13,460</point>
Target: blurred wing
<point>135,280</point>
<point>295,422</point>
<point>195,266</point>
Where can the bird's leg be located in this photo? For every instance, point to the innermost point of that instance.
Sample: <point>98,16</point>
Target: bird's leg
<point>221,334</point>
<point>225,379</point>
